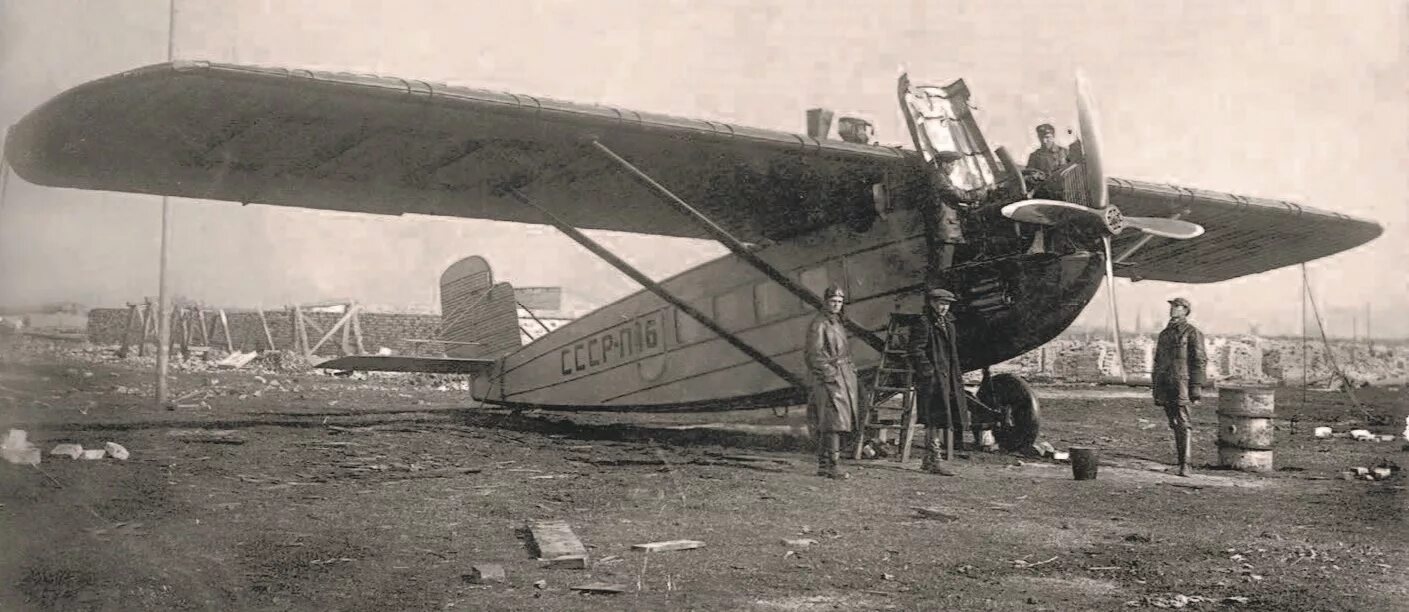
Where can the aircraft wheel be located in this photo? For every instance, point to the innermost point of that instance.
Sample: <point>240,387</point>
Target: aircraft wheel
<point>1010,394</point>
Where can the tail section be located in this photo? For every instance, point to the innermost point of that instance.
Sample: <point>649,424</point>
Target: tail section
<point>478,317</point>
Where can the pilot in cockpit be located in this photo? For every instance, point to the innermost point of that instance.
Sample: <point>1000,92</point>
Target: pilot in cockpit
<point>1050,156</point>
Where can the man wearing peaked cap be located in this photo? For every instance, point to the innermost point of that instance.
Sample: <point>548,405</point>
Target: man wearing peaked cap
<point>1050,156</point>
<point>934,357</point>
<point>1178,376</point>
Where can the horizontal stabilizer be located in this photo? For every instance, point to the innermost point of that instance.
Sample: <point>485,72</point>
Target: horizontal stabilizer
<point>401,363</point>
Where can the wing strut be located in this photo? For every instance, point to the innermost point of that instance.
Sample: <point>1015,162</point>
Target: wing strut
<point>660,291</point>
<point>739,249</point>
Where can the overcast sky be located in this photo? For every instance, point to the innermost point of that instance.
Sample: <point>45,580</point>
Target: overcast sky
<point>1303,101</point>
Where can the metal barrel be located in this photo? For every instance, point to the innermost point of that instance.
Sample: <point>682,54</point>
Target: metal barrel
<point>1245,429</point>
<point>1083,462</point>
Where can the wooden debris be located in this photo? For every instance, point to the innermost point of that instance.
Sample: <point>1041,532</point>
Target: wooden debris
<point>935,513</point>
<point>207,436</point>
<point>558,545</point>
<point>485,573</point>
<point>600,587</point>
<point>669,545</point>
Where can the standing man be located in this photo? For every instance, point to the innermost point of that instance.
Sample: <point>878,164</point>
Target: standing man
<point>943,228</point>
<point>833,390</point>
<point>1049,156</point>
<point>934,356</point>
<point>1178,375</point>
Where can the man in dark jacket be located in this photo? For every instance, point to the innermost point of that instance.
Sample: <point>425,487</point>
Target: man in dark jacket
<point>934,356</point>
<point>1049,157</point>
<point>1178,375</point>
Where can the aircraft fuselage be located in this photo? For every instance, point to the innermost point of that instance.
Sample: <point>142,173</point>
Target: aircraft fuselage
<point>642,353</point>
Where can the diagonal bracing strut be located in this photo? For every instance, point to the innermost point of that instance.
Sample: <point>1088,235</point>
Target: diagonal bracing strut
<point>660,291</point>
<point>738,248</point>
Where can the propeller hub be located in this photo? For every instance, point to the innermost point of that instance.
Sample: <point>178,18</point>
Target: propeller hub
<point>1114,219</point>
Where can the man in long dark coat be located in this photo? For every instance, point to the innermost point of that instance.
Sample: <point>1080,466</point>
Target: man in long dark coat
<point>1178,375</point>
<point>832,394</point>
<point>934,356</point>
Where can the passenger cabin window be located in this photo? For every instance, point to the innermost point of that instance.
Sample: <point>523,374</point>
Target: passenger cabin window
<point>734,310</point>
<point>773,301</point>
<point>687,329</point>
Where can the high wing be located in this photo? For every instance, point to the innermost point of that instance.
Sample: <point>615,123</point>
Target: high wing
<point>382,145</point>
<point>1244,235</point>
<point>369,144</point>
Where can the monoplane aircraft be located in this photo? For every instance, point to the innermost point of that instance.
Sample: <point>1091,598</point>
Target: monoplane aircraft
<point>798,213</point>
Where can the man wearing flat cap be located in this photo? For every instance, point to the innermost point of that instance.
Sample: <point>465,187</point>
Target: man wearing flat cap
<point>934,356</point>
<point>1050,156</point>
<point>1178,375</point>
<point>832,392</point>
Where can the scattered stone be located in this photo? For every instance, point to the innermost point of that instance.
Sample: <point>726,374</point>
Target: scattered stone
<point>17,449</point>
<point>799,543</point>
<point>72,451</point>
<point>94,454</point>
<point>1061,456</point>
<point>540,584</point>
<point>1322,432</point>
<point>116,451</point>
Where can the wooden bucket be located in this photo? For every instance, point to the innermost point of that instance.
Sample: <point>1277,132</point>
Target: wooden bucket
<point>1083,462</point>
<point>1245,428</point>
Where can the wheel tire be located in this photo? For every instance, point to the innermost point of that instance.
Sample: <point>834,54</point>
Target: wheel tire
<point>1009,392</point>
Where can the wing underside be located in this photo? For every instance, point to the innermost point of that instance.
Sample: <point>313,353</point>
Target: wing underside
<point>383,145</point>
<point>1244,235</point>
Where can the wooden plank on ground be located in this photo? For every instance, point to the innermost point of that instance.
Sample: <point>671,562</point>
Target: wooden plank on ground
<point>558,545</point>
<point>669,545</point>
<point>600,587</point>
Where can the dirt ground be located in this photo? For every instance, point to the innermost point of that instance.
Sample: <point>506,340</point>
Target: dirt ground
<point>380,494</point>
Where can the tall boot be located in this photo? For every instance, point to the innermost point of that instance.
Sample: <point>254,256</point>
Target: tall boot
<point>834,458</point>
<point>824,456</point>
<point>1181,449</point>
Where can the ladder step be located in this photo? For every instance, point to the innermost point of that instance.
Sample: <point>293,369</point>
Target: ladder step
<point>896,389</point>
<point>894,370</point>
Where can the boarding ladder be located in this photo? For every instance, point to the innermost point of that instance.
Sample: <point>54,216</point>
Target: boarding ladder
<point>894,378</point>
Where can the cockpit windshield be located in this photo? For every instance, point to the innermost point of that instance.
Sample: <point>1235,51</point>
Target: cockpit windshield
<point>941,119</point>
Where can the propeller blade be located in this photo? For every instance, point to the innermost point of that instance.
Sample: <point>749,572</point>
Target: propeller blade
<point>1051,212</point>
<point>1165,227</point>
<point>1091,145</point>
<point>1115,312</point>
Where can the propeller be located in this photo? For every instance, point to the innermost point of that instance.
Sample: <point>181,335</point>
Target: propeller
<point>1099,215</point>
<point>1100,201</point>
